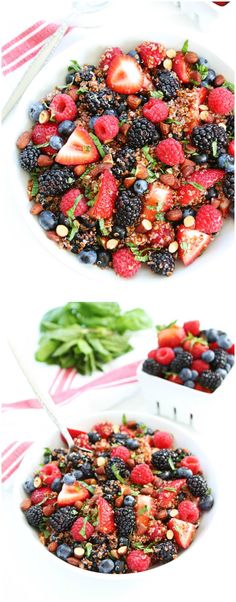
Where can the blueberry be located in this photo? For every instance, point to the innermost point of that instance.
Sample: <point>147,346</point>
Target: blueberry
<point>129,500</point>
<point>194,374</point>
<point>132,444</point>
<point>48,220</point>
<point>103,258</point>
<point>189,211</point>
<point>204,84</point>
<point>202,61</point>
<point>56,485</point>
<point>230,359</point>
<point>140,186</point>
<point>229,167</point>
<point>92,122</point>
<point>178,350</point>
<point>226,162</point>
<point>212,335</point>
<point>134,55</point>
<point>65,128</point>
<point>224,342</point>
<point>185,374</point>
<point>123,541</point>
<point>206,502</point>
<point>94,437</point>
<point>64,220</point>
<point>106,566</point>
<point>210,76</point>
<point>56,142</point>
<point>64,551</point>
<point>228,368</point>
<point>183,473</point>
<point>200,159</point>
<point>212,193</point>
<point>149,432</point>
<point>221,372</point>
<point>69,479</point>
<point>88,256</point>
<point>208,356</point>
<point>87,470</point>
<point>70,78</point>
<point>110,112</point>
<point>222,160</point>
<point>78,475</point>
<point>29,486</point>
<point>35,109</point>
<point>118,232</point>
<point>119,566</point>
<point>189,383</point>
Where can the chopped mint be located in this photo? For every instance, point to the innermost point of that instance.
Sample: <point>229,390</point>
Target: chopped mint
<point>88,549</point>
<point>170,489</point>
<point>169,120</point>
<point>74,66</point>
<point>117,474</point>
<point>71,212</point>
<point>156,94</point>
<point>197,186</point>
<point>88,487</point>
<point>98,144</point>
<point>228,85</point>
<point>203,70</point>
<point>214,148</point>
<point>35,187</point>
<point>124,420</point>
<point>83,529</point>
<point>160,327</point>
<point>82,91</point>
<point>137,253</point>
<point>102,227</point>
<point>171,463</point>
<point>184,48</point>
<point>143,510</point>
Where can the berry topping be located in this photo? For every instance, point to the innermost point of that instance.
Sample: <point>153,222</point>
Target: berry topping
<point>70,494</point>
<point>155,110</point>
<point>78,150</point>
<point>181,68</point>
<point>120,452</point>
<point>191,244</point>
<point>106,523</point>
<point>191,462</point>
<point>106,127</point>
<point>107,57</point>
<point>124,75</point>
<point>163,440</point>
<point>42,494</point>
<point>73,199</point>
<point>81,529</point>
<point>152,54</point>
<point>49,472</point>
<point>125,264</point>
<point>192,327</point>
<point>170,151</point>
<point>106,197</point>
<point>188,511</point>
<point>184,532</point>
<point>221,101</point>
<point>165,355</point>
<point>63,107</point>
<point>41,134</point>
<point>209,219</point>
<point>207,177</point>
<point>141,474</point>
<point>137,561</point>
<point>104,429</point>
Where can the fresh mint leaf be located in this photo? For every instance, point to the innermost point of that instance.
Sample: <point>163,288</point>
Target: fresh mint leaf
<point>117,474</point>
<point>214,148</point>
<point>156,94</point>
<point>35,187</point>
<point>83,529</point>
<point>98,145</point>
<point>73,66</point>
<point>124,419</point>
<point>184,48</point>
<point>197,186</point>
<point>203,70</point>
<point>229,86</point>
<point>104,230</point>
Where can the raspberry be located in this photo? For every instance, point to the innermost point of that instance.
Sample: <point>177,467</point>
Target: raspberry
<point>191,462</point>
<point>221,101</point>
<point>152,354</point>
<point>157,531</point>
<point>170,151</point>
<point>231,148</point>
<point>137,561</point>
<point>42,133</point>
<point>165,355</point>
<point>141,474</point>
<point>81,529</point>
<point>200,366</point>
<point>161,235</point>
<point>69,200</point>
<point>155,110</point>
<point>107,57</point>
<point>152,54</point>
<point>63,107</point>
<point>125,264</point>
<point>120,452</point>
<point>105,429</point>
<point>188,511</point>
<point>162,440</point>
<point>106,127</point>
<point>40,494</point>
<point>209,219</point>
<point>49,472</point>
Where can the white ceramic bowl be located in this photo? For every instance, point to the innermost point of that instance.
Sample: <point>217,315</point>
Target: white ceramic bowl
<point>88,49</point>
<point>182,404</point>
<point>183,438</point>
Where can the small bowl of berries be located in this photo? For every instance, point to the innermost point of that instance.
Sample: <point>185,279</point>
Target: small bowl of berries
<point>188,364</point>
<point>131,494</point>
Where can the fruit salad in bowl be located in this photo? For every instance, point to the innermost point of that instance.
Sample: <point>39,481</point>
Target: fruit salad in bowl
<point>127,497</point>
<point>131,161</point>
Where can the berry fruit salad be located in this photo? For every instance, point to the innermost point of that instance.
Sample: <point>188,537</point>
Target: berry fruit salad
<point>186,355</point>
<point>122,499</point>
<point>131,162</point>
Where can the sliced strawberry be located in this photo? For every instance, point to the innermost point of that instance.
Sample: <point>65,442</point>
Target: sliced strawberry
<point>165,498</point>
<point>171,337</point>
<point>145,511</point>
<point>157,531</point>
<point>78,150</point>
<point>177,484</point>
<point>189,195</point>
<point>105,517</point>
<point>159,197</point>
<point>183,532</point>
<point>125,76</point>
<point>41,495</point>
<point>206,177</point>
<point>42,133</point>
<point>191,244</point>
<point>202,94</point>
<point>105,429</point>
<point>105,200</point>
<point>71,494</point>
<point>181,68</point>
<point>108,56</point>
<point>192,327</point>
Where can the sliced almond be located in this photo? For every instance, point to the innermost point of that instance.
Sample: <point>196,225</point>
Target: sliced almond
<point>189,221</point>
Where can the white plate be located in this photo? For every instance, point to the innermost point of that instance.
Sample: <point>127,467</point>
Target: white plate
<point>183,438</point>
<point>88,49</point>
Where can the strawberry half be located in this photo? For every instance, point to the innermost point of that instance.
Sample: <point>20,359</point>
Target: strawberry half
<point>191,244</point>
<point>166,499</point>
<point>171,337</point>
<point>145,511</point>
<point>105,517</point>
<point>160,198</point>
<point>183,532</point>
<point>125,76</point>
<point>207,177</point>
<point>105,200</point>
<point>71,494</point>
<point>78,150</point>
<point>181,68</point>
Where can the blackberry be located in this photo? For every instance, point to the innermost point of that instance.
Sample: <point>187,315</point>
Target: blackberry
<point>29,158</point>
<point>124,162</point>
<point>183,360</point>
<point>228,186</point>
<point>97,102</point>
<point>63,519</point>
<point>125,521</point>
<point>85,74</point>
<point>230,125</point>
<point>161,459</point>
<point>151,367</point>
<point>165,551</point>
<point>204,136</point>
<point>111,490</point>
<point>56,181</point>
<point>116,467</point>
<point>197,486</point>
<point>142,132</point>
<point>220,359</point>
<point>210,380</point>
<point>128,208</point>
<point>168,84</point>
<point>179,453</point>
<point>162,262</point>
<point>34,515</point>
